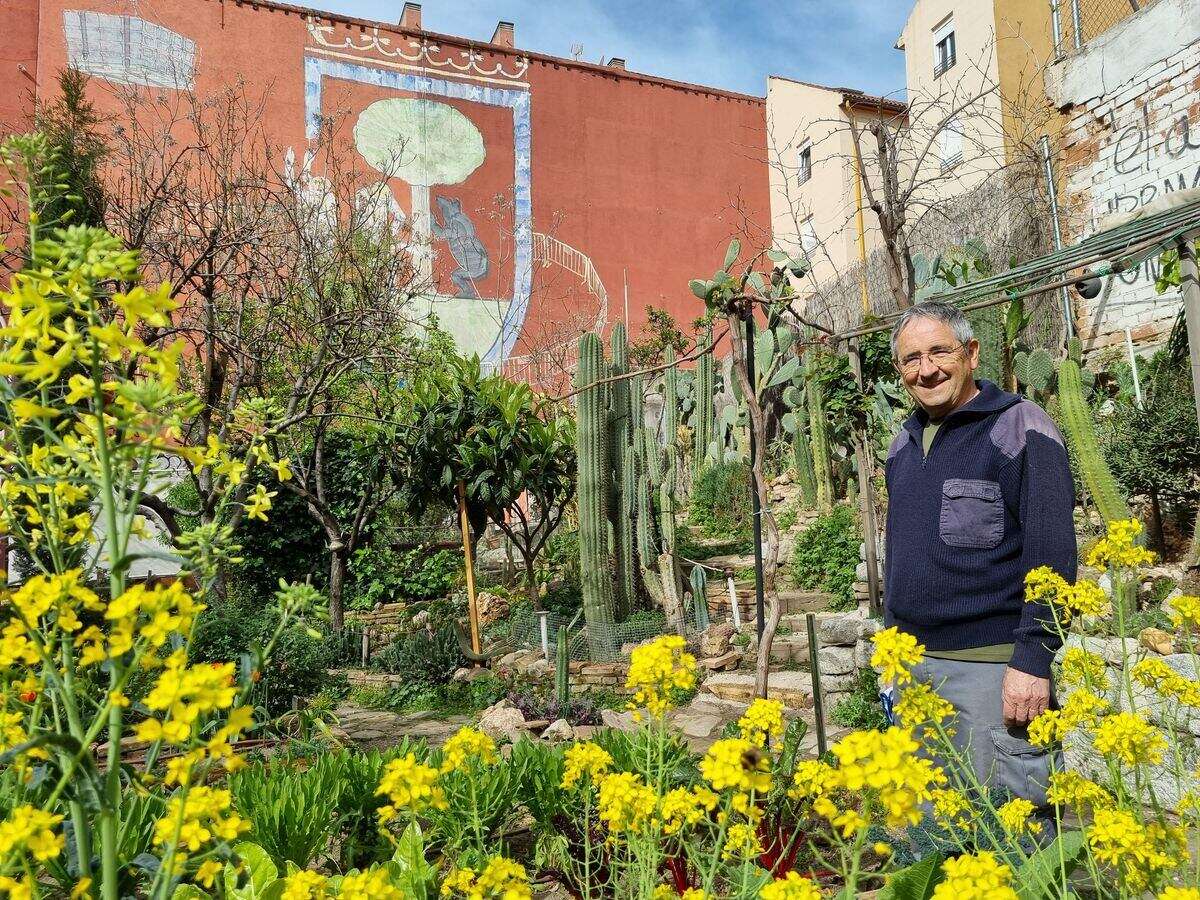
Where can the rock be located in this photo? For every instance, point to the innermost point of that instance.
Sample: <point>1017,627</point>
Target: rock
<point>535,667</point>
<point>792,689</point>
<point>714,640</point>
<point>1168,604</point>
<point>863,651</point>
<point>492,607</point>
<point>1113,650</point>
<point>621,721</point>
<point>836,660</point>
<point>839,629</point>
<point>502,720</point>
<point>559,731</point>
<point>720,663</point>
<point>470,673</point>
<point>697,725</point>
<point>1156,639</point>
<point>421,619</point>
<point>508,660</point>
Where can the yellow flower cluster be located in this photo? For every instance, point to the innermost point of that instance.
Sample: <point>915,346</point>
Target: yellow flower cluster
<point>737,764</point>
<point>305,884</point>
<point>147,614</point>
<point>681,808</point>
<point>657,671</point>
<point>978,876</point>
<point>499,879</point>
<point>1138,851</point>
<point>625,803</point>
<point>465,745</point>
<point>1130,739</point>
<point>408,785</point>
<point>185,694</point>
<point>1072,789</point>
<point>885,762</point>
<point>762,721</point>
<point>584,760</point>
<point>1155,674</point>
<point>1176,893</point>
<point>951,806</point>
<point>1015,817</point>
<point>1082,709</point>
<point>372,884</point>
<point>919,704</point>
<point>31,830</point>
<point>666,892</point>
<point>1118,548</point>
<point>791,887</point>
<point>196,817</point>
<point>1185,612</point>
<point>741,842</point>
<point>1084,598</point>
<point>1082,668</point>
<point>896,652</point>
<point>811,778</point>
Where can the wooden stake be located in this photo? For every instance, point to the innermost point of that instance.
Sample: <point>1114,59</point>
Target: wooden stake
<point>473,609</point>
<point>866,495</point>
<point>1190,287</point>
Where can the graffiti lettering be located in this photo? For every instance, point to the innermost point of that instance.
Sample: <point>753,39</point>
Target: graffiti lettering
<point>1182,128</point>
<point>1144,194</point>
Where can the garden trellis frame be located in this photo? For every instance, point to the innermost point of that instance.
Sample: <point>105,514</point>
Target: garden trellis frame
<point>1104,254</point>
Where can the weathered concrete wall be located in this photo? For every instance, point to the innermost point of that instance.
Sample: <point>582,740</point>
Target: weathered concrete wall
<point>1132,97</point>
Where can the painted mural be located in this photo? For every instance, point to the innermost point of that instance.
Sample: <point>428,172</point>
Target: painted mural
<point>128,50</point>
<point>454,161</point>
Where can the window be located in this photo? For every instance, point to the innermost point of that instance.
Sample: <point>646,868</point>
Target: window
<point>128,50</point>
<point>808,237</point>
<point>944,54</point>
<point>951,139</point>
<point>804,163</point>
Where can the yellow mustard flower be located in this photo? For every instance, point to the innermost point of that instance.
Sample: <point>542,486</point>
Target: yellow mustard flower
<point>741,842</point>
<point>763,720</point>
<point>1137,851</point>
<point>1118,548</point>
<point>1185,612</point>
<point>951,807</point>
<point>896,652</point>
<point>657,671</point>
<point>373,884</point>
<point>584,760</point>
<point>1178,893</point>
<point>465,745</point>
<point>410,785</point>
<point>1082,668</point>
<point>305,884</point>
<point>625,802</point>
<point>791,886</point>
<point>738,764</point>
<point>977,876</point>
<point>31,830</point>
<point>886,763</point>
<point>1130,738</point>
<point>1072,789</point>
<point>201,815</point>
<point>1015,816</point>
<point>919,704</point>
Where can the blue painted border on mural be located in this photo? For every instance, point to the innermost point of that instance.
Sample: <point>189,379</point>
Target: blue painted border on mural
<point>516,100</point>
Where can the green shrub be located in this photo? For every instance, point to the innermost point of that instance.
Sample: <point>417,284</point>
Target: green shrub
<point>423,657</point>
<point>382,574</point>
<point>826,556</point>
<point>721,501</point>
<point>861,710</point>
<point>292,812</point>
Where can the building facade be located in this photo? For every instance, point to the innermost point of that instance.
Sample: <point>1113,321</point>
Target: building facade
<point>549,190</point>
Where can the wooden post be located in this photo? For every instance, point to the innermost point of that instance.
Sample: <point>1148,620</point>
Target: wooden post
<point>1189,285</point>
<point>866,496</point>
<point>473,609</point>
<point>814,663</point>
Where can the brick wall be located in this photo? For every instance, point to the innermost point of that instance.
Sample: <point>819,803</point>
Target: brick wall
<point>1132,136</point>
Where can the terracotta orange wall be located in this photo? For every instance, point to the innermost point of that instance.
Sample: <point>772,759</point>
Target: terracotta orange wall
<point>636,173</point>
<point>18,61</point>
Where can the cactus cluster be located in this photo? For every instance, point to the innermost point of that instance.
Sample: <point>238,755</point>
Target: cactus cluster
<point>562,673</point>
<point>1035,370</point>
<point>1081,432</point>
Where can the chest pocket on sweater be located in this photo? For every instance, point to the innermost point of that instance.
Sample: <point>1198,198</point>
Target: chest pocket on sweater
<point>972,514</point>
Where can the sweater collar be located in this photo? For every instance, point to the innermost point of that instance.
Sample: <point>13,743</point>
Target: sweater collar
<point>990,399</point>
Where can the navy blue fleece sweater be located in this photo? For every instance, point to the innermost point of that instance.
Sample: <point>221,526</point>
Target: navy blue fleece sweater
<point>992,500</point>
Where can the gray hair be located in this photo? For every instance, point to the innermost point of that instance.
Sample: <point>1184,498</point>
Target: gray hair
<point>939,311</point>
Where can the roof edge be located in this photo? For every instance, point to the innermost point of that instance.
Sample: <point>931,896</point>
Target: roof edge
<point>468,43</point>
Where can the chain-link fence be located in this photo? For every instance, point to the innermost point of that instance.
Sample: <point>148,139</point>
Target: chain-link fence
<point>1075,22</point>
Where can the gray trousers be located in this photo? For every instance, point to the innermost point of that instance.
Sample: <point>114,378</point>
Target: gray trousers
<point>1001,756</point>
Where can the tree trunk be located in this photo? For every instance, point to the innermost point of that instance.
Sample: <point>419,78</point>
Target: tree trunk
<point>339,559</point>
<point>531,584</point>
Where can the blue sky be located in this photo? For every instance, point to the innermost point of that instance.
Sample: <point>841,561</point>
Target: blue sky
<point>732,44</point>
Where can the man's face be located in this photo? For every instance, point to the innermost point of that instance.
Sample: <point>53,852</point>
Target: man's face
<point>936,368</point>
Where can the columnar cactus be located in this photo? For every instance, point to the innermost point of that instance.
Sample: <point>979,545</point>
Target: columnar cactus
<point>1081,432</point>
<point>592,491</point>
<point>703,432</point>
<point>699,580</point>
<point>819,440</point>
<point>621,505</point>
<point>562,674</point>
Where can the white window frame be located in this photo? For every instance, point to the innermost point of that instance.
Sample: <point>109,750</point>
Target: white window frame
<point>944,34</point>
<point>950,143</point>
<point>804,162</point>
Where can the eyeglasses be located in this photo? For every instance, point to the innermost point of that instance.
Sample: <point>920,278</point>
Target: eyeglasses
<point>939,356</point>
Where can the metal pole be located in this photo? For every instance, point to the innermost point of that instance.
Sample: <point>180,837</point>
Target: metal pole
<point>1056,27</point>
<point>1077,24</point>
<point>814,664</point>
<point>544,633</point>
<point>1068,313</point>
<point>866,499</point>
<point>472,607</point>
<point>755,503</point>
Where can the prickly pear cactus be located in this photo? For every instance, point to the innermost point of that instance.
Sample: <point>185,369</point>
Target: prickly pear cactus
<point>1081,432</point>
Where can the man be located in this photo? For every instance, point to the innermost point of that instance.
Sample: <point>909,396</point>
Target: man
<point>979,493</point>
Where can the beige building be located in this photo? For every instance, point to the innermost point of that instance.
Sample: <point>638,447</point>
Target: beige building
<point>815,194</point>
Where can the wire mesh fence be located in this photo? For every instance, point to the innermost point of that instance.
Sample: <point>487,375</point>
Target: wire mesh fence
<point>1075,22</point>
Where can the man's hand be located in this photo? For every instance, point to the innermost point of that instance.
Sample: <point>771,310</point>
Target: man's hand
<point>1025,696</point>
